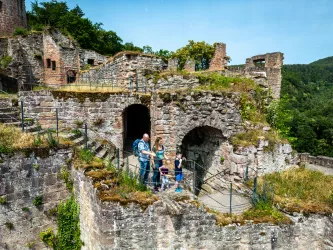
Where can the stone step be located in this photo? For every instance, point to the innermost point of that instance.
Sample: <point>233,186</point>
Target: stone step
<point>69,136</point>
<point>9,115</point>
<point>33,128</point>
<point>9,110</point>
<point>97,147</point>
<point>102,153</point>
<point>15,123</point>
<point>79,141</point>
<point>91,144</point>
<point>9,119</point>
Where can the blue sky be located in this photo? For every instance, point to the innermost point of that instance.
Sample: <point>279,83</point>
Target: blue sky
<point>301,29</point>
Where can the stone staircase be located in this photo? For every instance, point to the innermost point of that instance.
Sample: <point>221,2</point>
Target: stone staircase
<point>10,115</point>
<point>98,148</point>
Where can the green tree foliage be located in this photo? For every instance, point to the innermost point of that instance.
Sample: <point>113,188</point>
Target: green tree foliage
<point>324,61</point>
<point>71,21</point>
<point>305,112</point>
<point>132,47</point>
<point>166,54</point>
<point>200,52</point>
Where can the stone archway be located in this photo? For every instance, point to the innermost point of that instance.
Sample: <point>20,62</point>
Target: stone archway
<point>203,145</point>
<point>136,122</point>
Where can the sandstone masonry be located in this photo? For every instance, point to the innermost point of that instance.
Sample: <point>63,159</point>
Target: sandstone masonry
<point>12,15</point>
<point>21,180</point>
<point>177,225</point>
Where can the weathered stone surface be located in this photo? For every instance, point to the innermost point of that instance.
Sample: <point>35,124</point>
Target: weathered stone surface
<point>177,225</point>
<point>189,65</point>
<point>219,61</point>
<point>20,183</point>
<point>13,15</point>
<point>124,71</point>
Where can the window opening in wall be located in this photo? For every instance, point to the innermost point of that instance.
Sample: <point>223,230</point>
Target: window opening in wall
<point>259,63</point>
<point>54,65</point>
<point>0,6</point>
<point>91,62</point>
<point>48,63</point>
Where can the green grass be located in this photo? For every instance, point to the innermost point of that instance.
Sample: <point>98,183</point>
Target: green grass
<point>252,138</point>
<point>301,190</point>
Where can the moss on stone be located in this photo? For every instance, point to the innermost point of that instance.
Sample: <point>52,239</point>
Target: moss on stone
<point>81,96</point>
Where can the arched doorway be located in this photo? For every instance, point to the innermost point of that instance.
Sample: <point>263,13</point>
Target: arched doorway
<point>203,145</point>
<point>136,120</point>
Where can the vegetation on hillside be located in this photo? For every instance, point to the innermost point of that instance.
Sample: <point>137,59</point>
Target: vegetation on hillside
<point>324,61</point>
<point>88,34</point>
<point>304,115</point>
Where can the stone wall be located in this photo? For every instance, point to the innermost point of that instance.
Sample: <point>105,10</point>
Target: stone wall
<point>173,82</point>
<point>323,161</point>
<point>271,64</point>
<point>189,65</point>
<point>92,58</point>
<point>177,225</point>
<point>21,180</point>
<point>219,61</point>
<point>42,106</point>
<point>122,72</point>
<point>26,64</point>
<point>12,15</point>
<point>61,57</point>
<point>173,116</point>
<point>44,57</point>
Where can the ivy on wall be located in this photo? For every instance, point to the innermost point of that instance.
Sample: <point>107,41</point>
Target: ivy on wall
<point>68,236</point>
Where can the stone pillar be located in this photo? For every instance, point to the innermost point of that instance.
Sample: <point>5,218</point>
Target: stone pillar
<point>189,65</point>
<point>13,15</point>
<point>173,64</point>
<point>219,59</point>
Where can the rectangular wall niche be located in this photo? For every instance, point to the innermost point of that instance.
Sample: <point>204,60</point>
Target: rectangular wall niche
<point>91,62</point>
<point>54,65</point>
<point>48,63</point>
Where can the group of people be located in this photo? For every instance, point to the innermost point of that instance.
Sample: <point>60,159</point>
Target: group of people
<point>161,171</point>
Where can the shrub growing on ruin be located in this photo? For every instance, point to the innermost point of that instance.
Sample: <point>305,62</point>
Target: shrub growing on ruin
<point>3,200</point>
<point>25,209</point>
<point>86,155</point>
<point>9,225</point>
<point>68,236</point>
<point>5,61</point>
<point>66,176</point>
<point>48,237</point>
<point>38,201</point>
<point>20,31</point>
<point>52,142</point>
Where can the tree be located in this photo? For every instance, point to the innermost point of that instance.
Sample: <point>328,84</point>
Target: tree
<point>71,21</point>
<point>200,52</point>
<point>130,46</point>
<point>147,49</point>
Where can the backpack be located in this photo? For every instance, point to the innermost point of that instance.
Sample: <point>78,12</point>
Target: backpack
<point>135,147</point>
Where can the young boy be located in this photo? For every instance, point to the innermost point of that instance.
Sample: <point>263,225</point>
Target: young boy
<point>178,171</point>
<point>165,177</point>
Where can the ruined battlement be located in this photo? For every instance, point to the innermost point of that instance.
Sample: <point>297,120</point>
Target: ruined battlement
<point>12,15</point>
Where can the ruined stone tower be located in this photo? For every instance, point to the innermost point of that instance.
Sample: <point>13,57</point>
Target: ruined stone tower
<point>12,15</point>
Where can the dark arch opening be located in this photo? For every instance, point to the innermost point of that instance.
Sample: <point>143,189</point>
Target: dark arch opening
<point>136,121</point>
<point>200,145</point>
